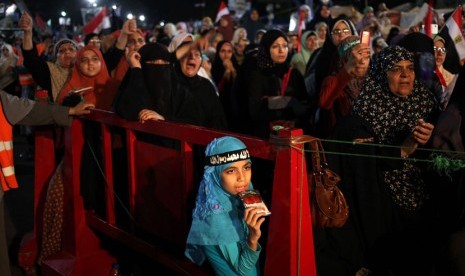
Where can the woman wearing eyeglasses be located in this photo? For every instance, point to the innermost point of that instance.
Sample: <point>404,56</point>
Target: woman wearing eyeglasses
<point>446,78</point>
<point>324,60</point>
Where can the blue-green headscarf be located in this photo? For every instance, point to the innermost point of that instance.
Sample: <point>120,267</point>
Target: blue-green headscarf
<point>218,216</point>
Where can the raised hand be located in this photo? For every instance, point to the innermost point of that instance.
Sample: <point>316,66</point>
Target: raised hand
<point>25,22</point>
<point>133,58</point>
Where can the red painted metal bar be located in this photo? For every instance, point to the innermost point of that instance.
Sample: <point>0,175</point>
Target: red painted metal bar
<point>290,248</point>
<point>188,179</point>
<point>130,141</point>
<point>108,170</point>
<point>290,238</point>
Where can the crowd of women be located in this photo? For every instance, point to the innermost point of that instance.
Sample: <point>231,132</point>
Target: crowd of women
<point>392,101</point>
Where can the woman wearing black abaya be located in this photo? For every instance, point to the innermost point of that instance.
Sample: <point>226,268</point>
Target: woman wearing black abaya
<point>275,91</point>
<point>150,87</point>
<point>324,61</point>
<point>208,103</point>
<point>224,73</point>
<point>388,229</point>
<point>449,190</point>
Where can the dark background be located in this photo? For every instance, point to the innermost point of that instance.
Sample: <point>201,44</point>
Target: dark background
<point>173,10</point>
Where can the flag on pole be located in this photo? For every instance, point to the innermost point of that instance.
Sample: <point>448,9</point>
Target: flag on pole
<point>429,19</point>
<point>454,30</point>
<point>222,10</point>
<point>95,20</point>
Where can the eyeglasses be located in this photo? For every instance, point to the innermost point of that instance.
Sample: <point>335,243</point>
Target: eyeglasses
<point>95,41</point>
<point>441,50</point>
<point>339,31</point>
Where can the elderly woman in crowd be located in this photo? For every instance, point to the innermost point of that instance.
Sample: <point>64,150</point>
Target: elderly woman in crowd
<point>275,91</point>
<point>8,78</point>
<point>203,91</point>
<point>341,89</point>
<point>388,197</point>
<point>49,75</point>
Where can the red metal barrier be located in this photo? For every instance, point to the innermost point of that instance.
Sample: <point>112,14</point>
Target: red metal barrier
<point>160,186</point>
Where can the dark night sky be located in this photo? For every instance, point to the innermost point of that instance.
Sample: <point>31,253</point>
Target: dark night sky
<point>156,10</point>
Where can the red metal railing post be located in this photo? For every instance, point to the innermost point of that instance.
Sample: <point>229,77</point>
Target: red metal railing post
<point>290,237</point>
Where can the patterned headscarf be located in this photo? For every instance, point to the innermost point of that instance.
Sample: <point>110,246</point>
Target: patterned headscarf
<point>218,216</point>
<point>392,119</point>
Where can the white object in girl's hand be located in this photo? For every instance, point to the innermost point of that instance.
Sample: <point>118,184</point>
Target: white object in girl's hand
<point>76,91</point>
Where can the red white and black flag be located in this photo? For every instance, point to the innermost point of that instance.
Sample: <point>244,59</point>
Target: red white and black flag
<point>222,10</point>
<point>454,30</point>
<point>95,19</point>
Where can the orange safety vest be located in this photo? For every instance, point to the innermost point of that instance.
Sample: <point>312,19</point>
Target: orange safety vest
<point>7,172</point>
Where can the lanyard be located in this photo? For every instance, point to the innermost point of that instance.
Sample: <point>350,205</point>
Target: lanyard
<point>286,78</point>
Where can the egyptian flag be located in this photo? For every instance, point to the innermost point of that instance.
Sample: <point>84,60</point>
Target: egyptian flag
<point>222,10</point>
<point>455,43</point>
<point>100,21</point>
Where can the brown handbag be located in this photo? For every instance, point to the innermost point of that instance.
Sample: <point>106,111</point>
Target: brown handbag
<point>328,205</point>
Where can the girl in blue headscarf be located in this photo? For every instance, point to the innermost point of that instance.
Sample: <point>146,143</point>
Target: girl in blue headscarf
<point>222,231</point>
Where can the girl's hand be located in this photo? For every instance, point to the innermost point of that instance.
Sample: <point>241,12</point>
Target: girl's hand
<point>254,217</point>
<point>147,114</point>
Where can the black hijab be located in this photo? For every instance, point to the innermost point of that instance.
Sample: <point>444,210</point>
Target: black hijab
<point>264,61</point>
<point>157,77</point>
<point>217,66</point>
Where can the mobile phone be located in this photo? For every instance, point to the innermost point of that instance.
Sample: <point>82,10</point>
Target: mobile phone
<point>365,38</point>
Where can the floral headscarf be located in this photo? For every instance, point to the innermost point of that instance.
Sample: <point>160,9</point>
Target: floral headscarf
<point>388,114</point>
<point>392,119</point>
<point>218,217</point>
